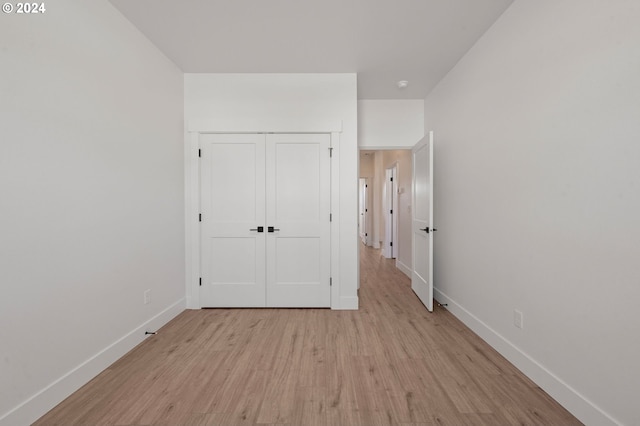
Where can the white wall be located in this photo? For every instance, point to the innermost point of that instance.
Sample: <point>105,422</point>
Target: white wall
<point>537,198</point>
<point>91,182</point>
<point>366,165</point>
<point>249,100</point>
<point>390,123</point>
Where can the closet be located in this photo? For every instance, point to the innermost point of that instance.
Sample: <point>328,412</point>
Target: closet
<point>265,220</point>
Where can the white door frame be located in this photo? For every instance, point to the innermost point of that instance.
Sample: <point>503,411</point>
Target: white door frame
<point>192,191</point>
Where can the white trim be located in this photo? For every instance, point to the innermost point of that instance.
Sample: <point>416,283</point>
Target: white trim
<point>192,196</point>
<point>257,125</point>
<point>39,404</point>
<point>192,226</point>
<point>384,148</point>
<point>348,303</point>
<point>404,268</point>
<point>585,410</point>
<point>335,221</point>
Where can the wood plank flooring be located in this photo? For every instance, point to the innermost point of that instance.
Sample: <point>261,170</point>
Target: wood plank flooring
<point>390,363</point>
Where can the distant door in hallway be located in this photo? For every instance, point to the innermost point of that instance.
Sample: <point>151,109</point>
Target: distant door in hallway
<point>391,214</point>
<point>422,221</point>
<point>363,209</point>
<point>265,231</point>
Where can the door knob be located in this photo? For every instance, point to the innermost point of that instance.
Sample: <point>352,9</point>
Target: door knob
<point>259,229</point>
<point>272,229</point>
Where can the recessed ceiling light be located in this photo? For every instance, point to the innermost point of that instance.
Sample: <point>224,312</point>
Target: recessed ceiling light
<point>402,84</point>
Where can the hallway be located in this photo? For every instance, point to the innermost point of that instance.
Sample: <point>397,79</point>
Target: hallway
<point>389,363</point>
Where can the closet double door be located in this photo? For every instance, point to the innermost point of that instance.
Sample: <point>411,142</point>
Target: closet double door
<point>265,220</point>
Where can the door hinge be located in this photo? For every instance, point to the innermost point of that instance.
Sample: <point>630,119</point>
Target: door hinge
<point>366,210</point>
<point>330,217</point>
<point>330,281</point>
<point>199,153</point>
<point>366,186</point>
<point>330,152</point>
<point>366,235</point>
<point>200,281</point>
<point>391,243</point>
<point>391,179</point>
<point>199,217</point>
<point>390,211</point>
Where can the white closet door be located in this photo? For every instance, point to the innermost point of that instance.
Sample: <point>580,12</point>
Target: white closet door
<point>298,208</point>
<point>233,207</point>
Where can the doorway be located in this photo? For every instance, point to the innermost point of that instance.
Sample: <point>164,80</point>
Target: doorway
<point>378,167</point>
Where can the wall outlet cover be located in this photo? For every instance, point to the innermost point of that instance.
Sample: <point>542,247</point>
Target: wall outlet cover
<point>518,318</point>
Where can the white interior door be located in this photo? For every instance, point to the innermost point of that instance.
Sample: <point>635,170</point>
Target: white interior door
<point>362,209</point>
<point>422,221</point>
<point>368,213</point>
<point>298,220</point>
<point>233,208</point>
<point>391,210</point>
<point>395,213</point>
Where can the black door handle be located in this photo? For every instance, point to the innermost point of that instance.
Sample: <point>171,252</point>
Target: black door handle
<point>426,229</point>
<point>272,229</point>
<point>259,229</point>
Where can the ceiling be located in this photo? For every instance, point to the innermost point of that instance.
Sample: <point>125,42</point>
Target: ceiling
<point>384,41</point>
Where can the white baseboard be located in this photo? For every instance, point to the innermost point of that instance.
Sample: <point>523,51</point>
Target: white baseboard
<point>586,411</point>
<point>348,303</point>
<point>404,268</point>
<point>43,401</point>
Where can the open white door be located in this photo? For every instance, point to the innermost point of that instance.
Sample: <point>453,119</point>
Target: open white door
<point>422,221</point>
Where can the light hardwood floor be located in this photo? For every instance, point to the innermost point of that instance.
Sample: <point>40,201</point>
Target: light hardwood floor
<point>389,363</point>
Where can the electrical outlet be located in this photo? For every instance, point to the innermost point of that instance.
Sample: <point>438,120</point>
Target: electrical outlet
<point>517,318</point>
<point>147,296</point>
